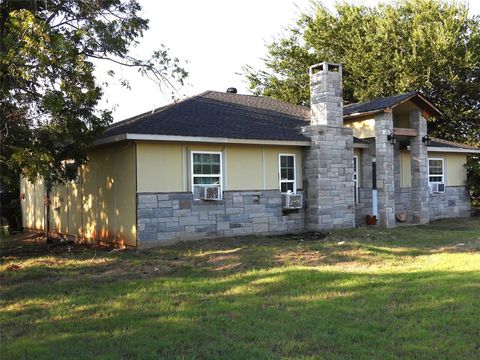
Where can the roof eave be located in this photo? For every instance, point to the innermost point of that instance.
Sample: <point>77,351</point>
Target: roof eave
<point>452,150</point>
<point>199,139</point>
<point>365,113</point>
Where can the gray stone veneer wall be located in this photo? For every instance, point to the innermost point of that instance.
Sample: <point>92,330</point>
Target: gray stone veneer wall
<point>420,189</point>
<point>384,153</point>
<point>165,218</point>
<point>455,202</point>
<point>328,162</point>
<point>364,207</point>
<point>403,202</point>
<point>328,178</point>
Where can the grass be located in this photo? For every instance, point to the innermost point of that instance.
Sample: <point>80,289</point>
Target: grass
<point>409,292</point>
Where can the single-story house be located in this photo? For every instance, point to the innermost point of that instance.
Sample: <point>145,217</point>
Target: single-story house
<point>225,164</point>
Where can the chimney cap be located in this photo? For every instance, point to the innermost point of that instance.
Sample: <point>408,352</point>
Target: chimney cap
<point>232,90</point>
<point>325,67</point>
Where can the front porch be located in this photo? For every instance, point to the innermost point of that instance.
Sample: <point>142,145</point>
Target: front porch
<point>393,181</point>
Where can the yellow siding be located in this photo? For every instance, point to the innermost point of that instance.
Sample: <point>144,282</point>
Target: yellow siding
<point>59,209</point>
<point>455,172</point>
<point>39,199</point>
<point>165,167</point>
<point>100,206</point>
<point>109,195</point>
<point>272,165</point>
<point>159,166</point>
<point>362,128</point>
<point>125,210</point>
<point>244,167</point>
<point>74,208</point>
<point>32,204</point>
<point>405,169</point>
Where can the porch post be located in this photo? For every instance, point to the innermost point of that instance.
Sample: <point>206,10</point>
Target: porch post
<point>384,153</point>
<point>418,149</point>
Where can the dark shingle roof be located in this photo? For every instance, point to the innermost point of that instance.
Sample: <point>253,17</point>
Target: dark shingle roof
<point>377,104</point>
<point>390,102</point>
<point>223,115</point>
<point>236,116</point>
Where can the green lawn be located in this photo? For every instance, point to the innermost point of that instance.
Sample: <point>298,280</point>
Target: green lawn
<point>410,292</point>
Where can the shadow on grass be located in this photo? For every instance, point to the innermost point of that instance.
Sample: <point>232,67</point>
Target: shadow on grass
<point>261,314</point>
<point>240,298</point>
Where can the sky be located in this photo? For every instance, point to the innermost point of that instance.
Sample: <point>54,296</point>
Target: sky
<point>213,38</point>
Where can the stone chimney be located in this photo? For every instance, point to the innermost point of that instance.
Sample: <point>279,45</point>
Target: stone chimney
<point>326,95</point>
<point>328,162</point>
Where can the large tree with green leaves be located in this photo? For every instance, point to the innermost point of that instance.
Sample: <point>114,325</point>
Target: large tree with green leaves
<point>49,95</point>
<point>432,46</point>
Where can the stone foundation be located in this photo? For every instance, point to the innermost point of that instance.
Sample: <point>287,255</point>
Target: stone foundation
<point>166,218</point>
<point>455,202</point>
<point>403,202</point>
<point>364,207</point>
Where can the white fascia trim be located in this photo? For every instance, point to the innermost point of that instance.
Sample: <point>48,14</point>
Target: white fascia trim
<point>110,139</point>
<point>200,139</point>
<point>453,150</point>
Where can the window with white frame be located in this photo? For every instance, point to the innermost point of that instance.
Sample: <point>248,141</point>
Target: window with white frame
<point>355,178</point>
<point>436,171</point>
<point>206,172</point>
<point>287,173</point>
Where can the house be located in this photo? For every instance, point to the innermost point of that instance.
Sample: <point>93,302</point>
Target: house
<point>225,164</point>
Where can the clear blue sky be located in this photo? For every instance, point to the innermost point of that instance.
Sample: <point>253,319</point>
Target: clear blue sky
<point>217,37</point>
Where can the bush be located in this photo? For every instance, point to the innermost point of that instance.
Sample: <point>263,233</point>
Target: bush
<point>473,178</point>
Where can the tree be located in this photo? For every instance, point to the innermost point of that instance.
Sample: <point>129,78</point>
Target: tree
<point>432,46</point>
<point>473,179</point>
<point>48,92</point>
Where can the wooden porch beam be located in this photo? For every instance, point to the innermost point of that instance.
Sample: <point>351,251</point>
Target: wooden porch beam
<point>405,132</point>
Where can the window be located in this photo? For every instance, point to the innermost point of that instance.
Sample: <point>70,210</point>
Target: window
<point>435,170</point>
<point>287,173</point>
<point>206,171</point>
<point>355,178</point>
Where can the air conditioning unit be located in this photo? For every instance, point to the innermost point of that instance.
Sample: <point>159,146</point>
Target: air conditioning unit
<point>210,193</point>
<point>437,188</point>
<point>292,201</point>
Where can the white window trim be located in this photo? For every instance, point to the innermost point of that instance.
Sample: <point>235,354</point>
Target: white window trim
<point>192,175</point>
<point>294,181</point>
<point>443,171</point>
<point>356,179</point>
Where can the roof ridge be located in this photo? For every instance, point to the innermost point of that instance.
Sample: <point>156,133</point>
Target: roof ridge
<point>260,97</point>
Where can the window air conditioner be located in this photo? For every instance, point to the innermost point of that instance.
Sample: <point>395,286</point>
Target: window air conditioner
<point>210,193</point>
<point>292,201</point>
<point>437,188</point>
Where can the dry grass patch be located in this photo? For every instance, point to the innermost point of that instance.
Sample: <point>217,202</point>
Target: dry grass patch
<point>354,294</point>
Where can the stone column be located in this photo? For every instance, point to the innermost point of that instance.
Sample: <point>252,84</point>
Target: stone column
<point>328,178</point>
<point>384,153</point>
<point>328,163</point>
<point>418,150</point>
